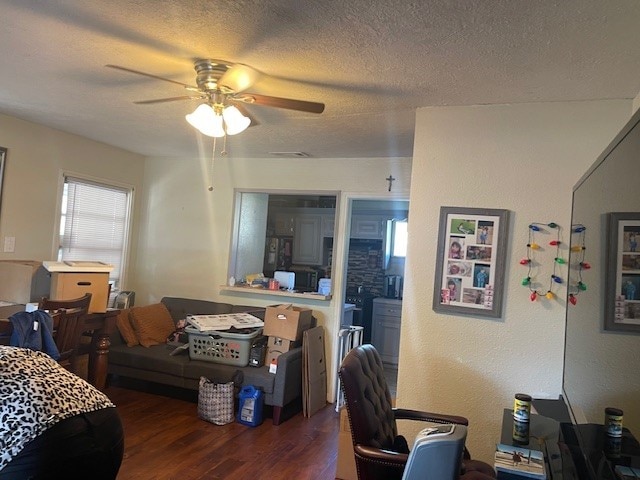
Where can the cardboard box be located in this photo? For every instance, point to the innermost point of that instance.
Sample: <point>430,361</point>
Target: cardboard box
<point>67,286</point>
<point>282,344</point>
<point>276,346</point>
<point>314,371</point>
<point>272,357</point>
<point>23,281</point>
<point>287,321</point>
<point>346,464</point>
<point>8,310</point>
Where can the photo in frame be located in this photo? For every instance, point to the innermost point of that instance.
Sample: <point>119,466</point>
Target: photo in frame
<point>472,245</point>
<point>622,286</point>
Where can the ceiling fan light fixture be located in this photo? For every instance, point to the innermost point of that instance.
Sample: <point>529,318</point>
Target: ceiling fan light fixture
<point>235,122</point>
<point>238,78</point>
<point>205,120</point>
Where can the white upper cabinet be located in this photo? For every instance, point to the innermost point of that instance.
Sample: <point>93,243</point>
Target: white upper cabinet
<point>307,240</point>
<point>368,226</point>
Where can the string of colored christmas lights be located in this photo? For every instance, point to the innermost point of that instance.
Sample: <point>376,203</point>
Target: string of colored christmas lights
<point>558,261</point>
<point>580,265</point>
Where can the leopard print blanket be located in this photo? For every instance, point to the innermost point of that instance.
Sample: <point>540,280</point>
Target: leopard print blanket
<point>35,394</point>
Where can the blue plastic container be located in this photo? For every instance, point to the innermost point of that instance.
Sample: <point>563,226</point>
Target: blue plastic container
<point>250,406</point>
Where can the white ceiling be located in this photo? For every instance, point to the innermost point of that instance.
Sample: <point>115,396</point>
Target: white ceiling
<point>372,62</point>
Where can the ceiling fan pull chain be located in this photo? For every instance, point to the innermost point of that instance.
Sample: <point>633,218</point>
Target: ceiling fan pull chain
<point>213,156</point>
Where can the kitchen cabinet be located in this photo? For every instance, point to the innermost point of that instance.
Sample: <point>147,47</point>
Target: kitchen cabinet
<point>284,224</point>
<point>368,226</point>
<point>328,225</point>
<point>307,240</point>
<point>385,333</point>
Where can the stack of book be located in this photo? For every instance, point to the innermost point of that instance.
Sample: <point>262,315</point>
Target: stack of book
<point>520,461</point>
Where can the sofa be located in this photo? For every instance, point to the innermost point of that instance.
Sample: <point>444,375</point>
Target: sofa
<point>139,350</point>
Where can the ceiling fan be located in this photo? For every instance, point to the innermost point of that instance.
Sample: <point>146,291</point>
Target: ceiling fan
<point>222,85</point>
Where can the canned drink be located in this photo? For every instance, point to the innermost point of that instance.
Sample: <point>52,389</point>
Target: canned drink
<point>274,284</point>
<point>613,421</point>
<point>613,447</point>
<point>522,407</point>
<point>520,432</point>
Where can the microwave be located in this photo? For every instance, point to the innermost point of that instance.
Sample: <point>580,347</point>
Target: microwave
<point>306,279</point>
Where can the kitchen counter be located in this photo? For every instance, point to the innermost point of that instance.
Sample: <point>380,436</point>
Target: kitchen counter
<point>347,314</point>
<point>246,290</point>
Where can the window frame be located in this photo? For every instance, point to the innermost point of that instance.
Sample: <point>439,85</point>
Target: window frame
<point>393,236</point>
<point>63,175</point>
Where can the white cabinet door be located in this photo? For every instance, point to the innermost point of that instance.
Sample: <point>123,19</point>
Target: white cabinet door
<point>385,328</point>
<point>307,245</point>
<point>386,338</point>
<point>367,226</point>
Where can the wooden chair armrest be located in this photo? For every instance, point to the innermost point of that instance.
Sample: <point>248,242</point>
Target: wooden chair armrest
<point>387,457</point>
<point>405,414</point>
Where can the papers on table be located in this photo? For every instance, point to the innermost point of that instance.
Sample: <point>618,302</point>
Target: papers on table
<point>205,323</point>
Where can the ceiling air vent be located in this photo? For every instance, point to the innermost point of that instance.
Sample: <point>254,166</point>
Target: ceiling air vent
<point>290,154</point>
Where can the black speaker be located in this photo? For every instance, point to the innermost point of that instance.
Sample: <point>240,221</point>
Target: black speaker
<point>258,352</point>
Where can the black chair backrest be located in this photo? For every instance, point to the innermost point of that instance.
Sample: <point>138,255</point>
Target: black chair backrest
<point>68,325</point>
<point>367,398</point>
<point>82,303</point>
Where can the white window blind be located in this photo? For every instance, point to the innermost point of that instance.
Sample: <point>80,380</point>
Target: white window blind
<point>93,224</point>
<point>400,238</point>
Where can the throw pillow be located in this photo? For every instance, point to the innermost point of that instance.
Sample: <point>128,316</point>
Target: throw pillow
<point>126,329</point>
<point>152,323</point>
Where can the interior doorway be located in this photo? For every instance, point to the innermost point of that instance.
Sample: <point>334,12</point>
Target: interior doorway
<point>374,271</point>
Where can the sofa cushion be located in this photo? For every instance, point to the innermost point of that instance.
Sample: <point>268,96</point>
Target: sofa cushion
<point>155,359</point>
<point>126,329</point>
<point>152,324</point>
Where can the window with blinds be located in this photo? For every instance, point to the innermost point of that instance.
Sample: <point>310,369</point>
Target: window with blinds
<point>399,238</point>
<point>94,224</point>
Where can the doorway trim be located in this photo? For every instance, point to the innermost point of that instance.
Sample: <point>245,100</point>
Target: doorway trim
<point>341,258</point>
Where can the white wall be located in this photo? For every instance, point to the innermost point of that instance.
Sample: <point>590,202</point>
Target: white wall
<point>524,158</point>
<point>37,155</point>
<point>186,230</point>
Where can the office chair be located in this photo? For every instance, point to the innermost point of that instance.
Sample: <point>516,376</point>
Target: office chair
<point>381,453</point>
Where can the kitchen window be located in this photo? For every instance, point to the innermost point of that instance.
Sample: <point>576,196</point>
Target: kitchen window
<point>399,237</point>
<point>94,224</point>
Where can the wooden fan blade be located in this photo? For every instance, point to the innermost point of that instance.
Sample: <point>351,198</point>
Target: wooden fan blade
<point>170,99</point>
<point>238,77</point>
<point>125,69</point>
<point>288,103</point>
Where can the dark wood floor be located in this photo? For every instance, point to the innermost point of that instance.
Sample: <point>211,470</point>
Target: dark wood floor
<point>165,439</point>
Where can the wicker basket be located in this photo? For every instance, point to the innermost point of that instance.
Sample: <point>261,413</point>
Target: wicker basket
<point>221,347</point>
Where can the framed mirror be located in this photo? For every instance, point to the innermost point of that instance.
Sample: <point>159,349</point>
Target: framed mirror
<point>601,365</point>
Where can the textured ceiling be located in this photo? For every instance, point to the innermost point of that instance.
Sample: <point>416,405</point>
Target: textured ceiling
<point>372,63</point>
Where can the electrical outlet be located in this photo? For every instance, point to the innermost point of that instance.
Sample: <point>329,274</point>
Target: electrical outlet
<point>9,244</point>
